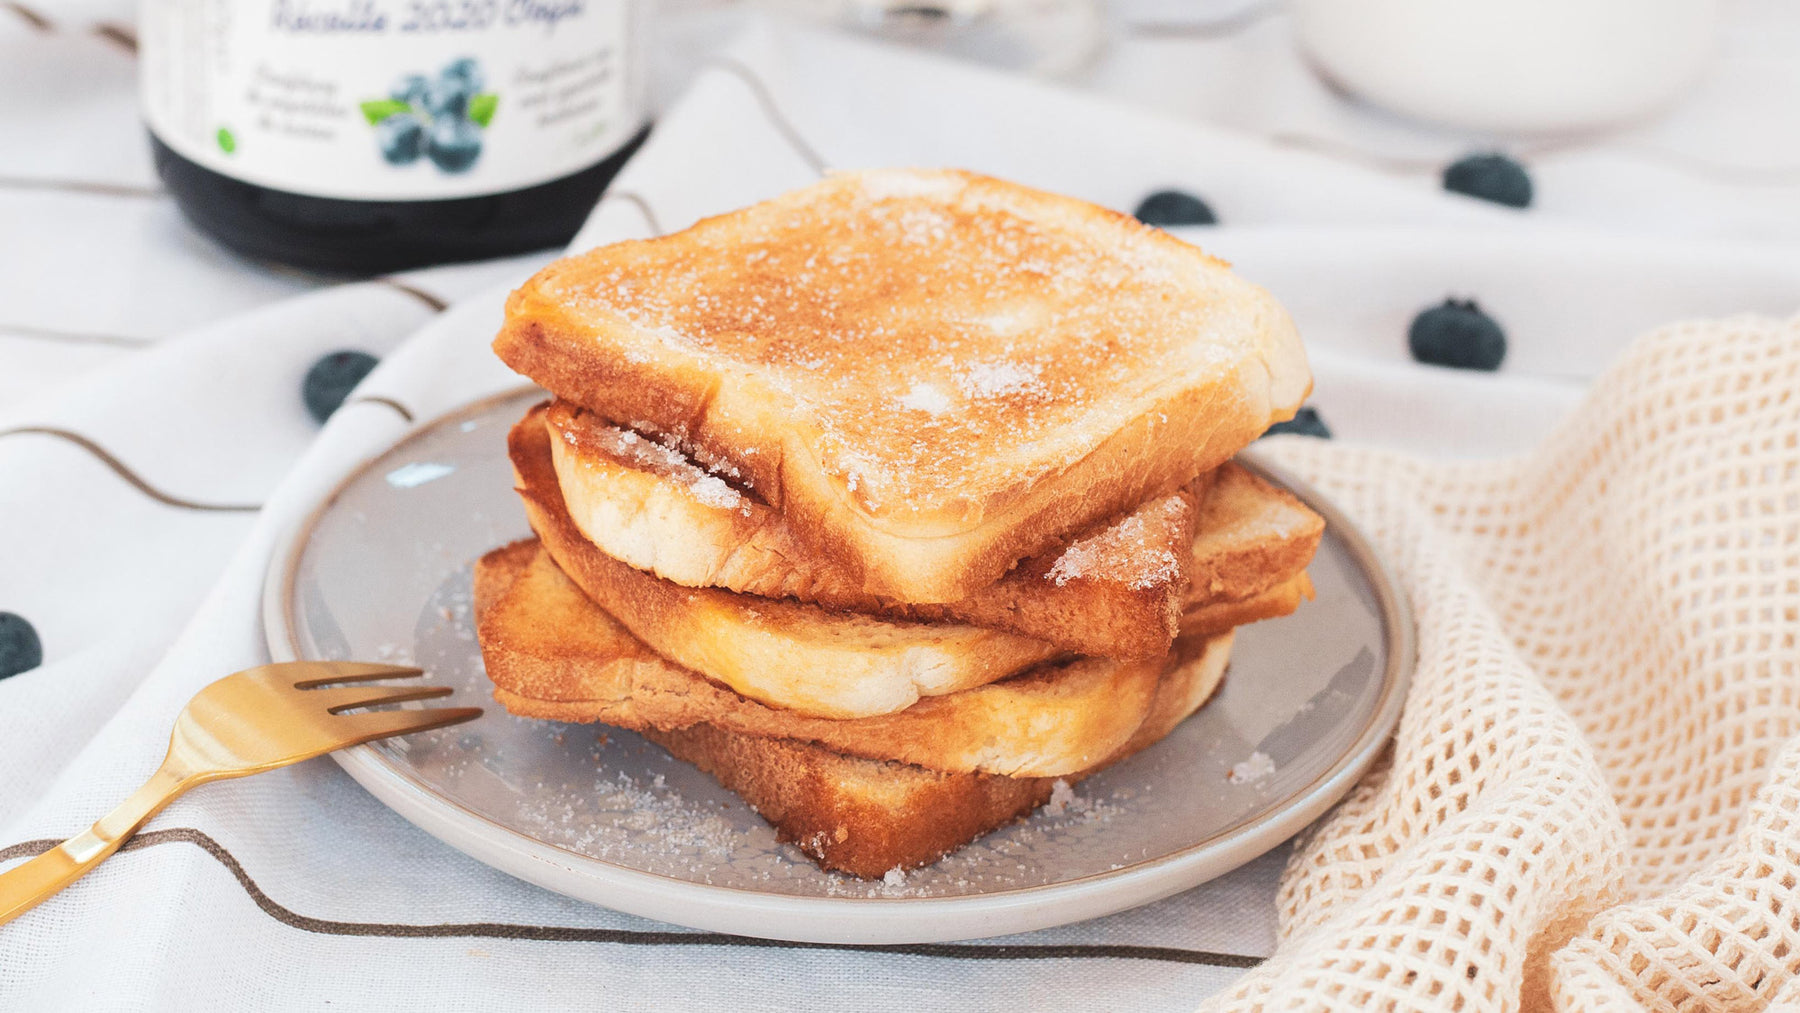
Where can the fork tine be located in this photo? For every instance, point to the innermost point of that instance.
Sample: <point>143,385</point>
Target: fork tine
<point>342,698</point>
<point>366,725</point>
<point>326,673</point>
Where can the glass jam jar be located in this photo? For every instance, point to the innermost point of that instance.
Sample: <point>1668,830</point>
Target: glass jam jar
<point>365,136</point>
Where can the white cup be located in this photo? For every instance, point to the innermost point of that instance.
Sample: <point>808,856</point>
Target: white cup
<point>1515,66</point>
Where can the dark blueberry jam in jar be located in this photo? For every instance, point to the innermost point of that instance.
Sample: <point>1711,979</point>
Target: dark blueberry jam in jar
<point>364,136</point>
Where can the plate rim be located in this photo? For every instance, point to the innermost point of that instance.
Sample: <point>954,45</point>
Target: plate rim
<point>858,920</point>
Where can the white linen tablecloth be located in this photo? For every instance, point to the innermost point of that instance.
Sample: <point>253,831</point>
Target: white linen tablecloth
<point>142,568</point>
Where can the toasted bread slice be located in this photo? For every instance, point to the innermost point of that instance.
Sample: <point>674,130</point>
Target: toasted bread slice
<point>1251,554</point>
<point>930,374</point>
<point>866,817</point>
<point>849,814</point>
<point>782,653</point>
<point>1217,617</point>
<point>1115,591</point>
<point>552,653</point>
<point>1252,537</point>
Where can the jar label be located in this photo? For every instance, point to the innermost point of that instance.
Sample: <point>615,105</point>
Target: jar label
<point>391,99</point>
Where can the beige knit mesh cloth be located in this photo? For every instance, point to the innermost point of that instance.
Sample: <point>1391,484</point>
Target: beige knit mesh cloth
<point>1593,801</point>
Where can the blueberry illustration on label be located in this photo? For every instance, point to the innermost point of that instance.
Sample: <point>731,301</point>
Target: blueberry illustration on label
<point>410,89</point>
<point>448,97</point>
<point>401,138</point>
<point>467,71</point>
<point>440,117</point>
<point>454,144</point>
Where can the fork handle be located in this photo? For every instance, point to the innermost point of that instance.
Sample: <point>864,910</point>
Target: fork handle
<point>26,886</point>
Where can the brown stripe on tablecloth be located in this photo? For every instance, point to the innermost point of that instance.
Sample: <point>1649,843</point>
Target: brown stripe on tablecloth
<point>1217,28</point>
<point>777,118</point>
<point>71,337</point>
<point>437,305</point>
<point>31,17</point>
<point>637,201</point>
<point>117,34</point>
<point>628,937</point>
<point>405,412</point>
<point>119,468</point>
<point>80,186</point>
<point>1339,149</point>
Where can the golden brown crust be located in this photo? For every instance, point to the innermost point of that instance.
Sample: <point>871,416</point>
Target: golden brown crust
<point>863,817</point>
<point>931,375</point>
<point>1183,690</point>
<point>786,654</point>
<point>1113,591</point>
<point>1273,603</point>
<point>553,654</point>
<point>866,817</point>
<point>1252,536</point>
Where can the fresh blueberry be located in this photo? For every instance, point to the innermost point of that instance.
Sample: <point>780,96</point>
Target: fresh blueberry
<point>20,648</point>
<point>401,138</point>
<point>1306,422</point>
<point>1174,207</point>
<point>411,89</point>
<point>454,144</point>
<point>1457,334</point>
<point>331,379</point>
<point>1490,176</point>
<point>468,71</point>
<point>448,98</point>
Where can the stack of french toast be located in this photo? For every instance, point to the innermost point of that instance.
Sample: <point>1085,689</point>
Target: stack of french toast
<point>893,501</point>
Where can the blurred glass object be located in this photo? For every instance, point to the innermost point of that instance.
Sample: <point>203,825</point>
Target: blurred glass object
<point>1516,66</point>
<point>1050,38</point>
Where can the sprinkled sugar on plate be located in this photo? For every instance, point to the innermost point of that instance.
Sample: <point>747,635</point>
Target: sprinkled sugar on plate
<point>382,571</point>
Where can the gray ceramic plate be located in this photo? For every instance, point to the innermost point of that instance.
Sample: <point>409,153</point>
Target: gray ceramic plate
<point>381,572</point>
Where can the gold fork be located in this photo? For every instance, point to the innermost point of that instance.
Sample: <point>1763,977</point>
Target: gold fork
<point>259,719</point>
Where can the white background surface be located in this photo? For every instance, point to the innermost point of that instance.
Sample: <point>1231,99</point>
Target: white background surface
<point>122,324</point>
